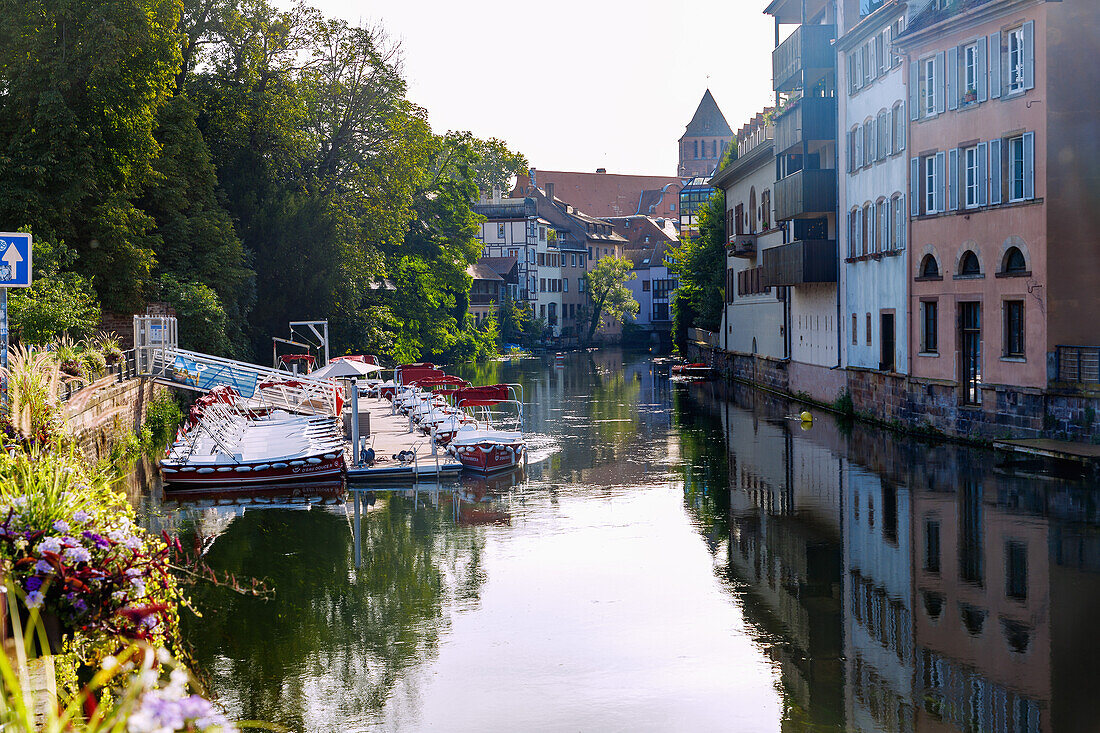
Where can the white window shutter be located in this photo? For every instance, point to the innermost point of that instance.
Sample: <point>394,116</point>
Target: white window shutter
<point>903,128</point>
<point>858,58</point>
<point>869,131</point>
<point>1029,165</point>
<point>914,90</point>
<point>995,65</point>
<point>1029,54</point>
<point>983,175</point>
<point>995,171</point>
<point>952,78</point>
<point>941,180</point>
<point>848,233</point>
<point>859,147</point>
<point>858,248</point>
<point>914,187</point>
<point>848,150</point>
<point>953,179</point>
<point>871,216</point>
<point>872,58</point>
<point>888,120</point>
<point>940,85</point>
<point>982,64</point>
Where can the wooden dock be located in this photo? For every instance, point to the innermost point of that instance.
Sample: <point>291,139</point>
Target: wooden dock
<point>390,434</point>
<point>1085,454</point>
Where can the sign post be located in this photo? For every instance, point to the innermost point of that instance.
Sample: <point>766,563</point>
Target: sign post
<point>15,272</point>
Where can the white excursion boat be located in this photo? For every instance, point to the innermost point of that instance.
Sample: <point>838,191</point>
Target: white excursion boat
<point>483,448</point>
<point>222,447</point>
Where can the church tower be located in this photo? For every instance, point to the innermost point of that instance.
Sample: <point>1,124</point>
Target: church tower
<point>704,141</point>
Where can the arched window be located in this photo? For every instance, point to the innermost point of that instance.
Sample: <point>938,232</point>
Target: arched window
<point>868,230</point>
<point>1014,263</point>
<point>929,267</point>
<point>752,210</point>
<point>969,265</point>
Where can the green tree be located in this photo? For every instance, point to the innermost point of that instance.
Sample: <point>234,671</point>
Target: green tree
<point>82,84</point>
<point>203,323</point>
<point>700,265</point>
<point>607,291</point>
<point>58,301</point>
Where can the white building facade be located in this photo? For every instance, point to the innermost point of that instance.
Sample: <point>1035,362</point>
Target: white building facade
<point>872,189</point>
<point>754,315</point>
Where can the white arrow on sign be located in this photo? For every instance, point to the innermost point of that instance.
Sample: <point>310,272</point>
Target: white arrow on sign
<point>12,258</point>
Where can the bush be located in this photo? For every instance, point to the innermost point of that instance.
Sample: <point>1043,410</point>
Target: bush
<point>163,416</point>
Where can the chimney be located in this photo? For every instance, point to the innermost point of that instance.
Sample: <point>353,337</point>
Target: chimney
<point>496,194</point>
<point>550,190</point>
<point>601,170</point>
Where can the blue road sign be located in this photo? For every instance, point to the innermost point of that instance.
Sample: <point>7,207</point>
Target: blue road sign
<point>15,260</point>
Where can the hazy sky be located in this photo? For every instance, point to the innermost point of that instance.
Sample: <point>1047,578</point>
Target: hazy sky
<point>578,84</point>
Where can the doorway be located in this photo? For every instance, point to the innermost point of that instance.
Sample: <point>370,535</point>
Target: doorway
<point>886,345</point>
<point>970,335</point>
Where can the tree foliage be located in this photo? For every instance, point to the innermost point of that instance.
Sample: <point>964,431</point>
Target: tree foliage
<point>700,264</point>
<point>252,162</point>
<point>607,292</point>
<point>58,301</point>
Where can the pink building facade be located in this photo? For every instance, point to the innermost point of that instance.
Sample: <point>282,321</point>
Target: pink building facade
<point>987,315</point>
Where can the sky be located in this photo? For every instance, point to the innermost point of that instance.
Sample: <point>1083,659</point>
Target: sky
<point>578,84</point>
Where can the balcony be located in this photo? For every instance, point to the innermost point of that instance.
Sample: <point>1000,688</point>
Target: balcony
<point>804,262</point>
<point>742,245</point>
<point>483,299</point>
<point>807,193</point>
<point>803,58</point>
<point>808,119</point>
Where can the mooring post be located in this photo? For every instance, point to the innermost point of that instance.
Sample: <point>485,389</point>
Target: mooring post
<point>355,425</point>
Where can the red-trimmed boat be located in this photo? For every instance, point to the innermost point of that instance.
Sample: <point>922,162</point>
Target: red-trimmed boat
<point>485,449</point>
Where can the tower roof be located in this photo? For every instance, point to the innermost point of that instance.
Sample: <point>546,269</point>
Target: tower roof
<point>708,119</point>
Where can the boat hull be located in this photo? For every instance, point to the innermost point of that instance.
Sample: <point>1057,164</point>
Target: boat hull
<point>490,457</point>
<point>296,470</point>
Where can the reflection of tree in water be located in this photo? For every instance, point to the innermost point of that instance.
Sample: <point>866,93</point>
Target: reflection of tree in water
<point>335,640</point>
<point>613,407</point>
<point>705,466</point>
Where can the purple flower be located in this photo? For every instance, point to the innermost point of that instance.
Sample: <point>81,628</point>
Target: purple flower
<point>34,599</point>
<point>81,516</point>
<point>43,567</point>
<point>78,603</point>
<point>98,540</point>
<point>34,583</point>
<point>77,554</point>
<point>50,544</point>
<point>61,525</point>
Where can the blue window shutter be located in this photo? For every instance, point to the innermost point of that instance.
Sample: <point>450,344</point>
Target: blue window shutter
<point>1029,54</point>
<point>952,78</point>
<point>914,186</point>
<point>858,246</point>
<point>904,226</point>
<point>859,147</point>
<point>904,129</point>
<point>953,179</point>
<point>941,180</point>
<point>1029,165</point>
<point>914,90</point>
<point>995,171</point>
<point>983,90</point>
<point>995,62</point>
<point>940,85</point>
<point>983,175</point>
<point>848,150</point>
<point>848,233</point>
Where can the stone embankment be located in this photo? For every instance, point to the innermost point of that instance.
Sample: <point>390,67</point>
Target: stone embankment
<point>108,411</point>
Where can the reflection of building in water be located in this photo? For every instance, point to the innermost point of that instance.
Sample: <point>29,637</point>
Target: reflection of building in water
<point>879,621</point>
<point>982,596</point>
<point>785,544</point>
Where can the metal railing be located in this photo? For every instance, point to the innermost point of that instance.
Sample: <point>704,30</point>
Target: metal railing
<point>704,337</point>
<point>1078,364</point>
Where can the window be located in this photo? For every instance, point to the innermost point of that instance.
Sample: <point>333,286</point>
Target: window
<point>766,209</point>
<point>1014,328</point>
<point>1014,263</point>
<point>564,284</point>
<point>868,230</point>
<point>855,342</point>
<point>882,222</point>
<point>868,143</point>
<point>869,333</point>
<point>972,177</point>
<point>929,267</point>
<point>645,286</point>
<point>573,261</point>
<point>970,74</point>
<point>899,127</point>
<point>542,285</point>
<point>969,265</point>
<point>1016,570</point>
<point>932,546</point>
<point>696,149</point>
<point>930,185</point>
<point>928,87</point>
<point>1016,169</point>
<point>929,325</point>
<point>1016,60</point>
<point>900,223</point>
<point>500,231</point>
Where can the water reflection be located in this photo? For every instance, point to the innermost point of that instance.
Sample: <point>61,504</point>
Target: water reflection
<point>903,585</point>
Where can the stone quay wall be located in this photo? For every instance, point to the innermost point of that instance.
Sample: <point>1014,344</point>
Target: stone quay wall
<point>107,412</point>
<point>921,405</point>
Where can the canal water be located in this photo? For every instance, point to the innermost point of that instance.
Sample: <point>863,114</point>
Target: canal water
<point>677,557</point>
